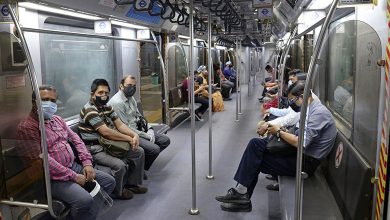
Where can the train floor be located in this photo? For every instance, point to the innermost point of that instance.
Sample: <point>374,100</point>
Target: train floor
<point>169,179</point>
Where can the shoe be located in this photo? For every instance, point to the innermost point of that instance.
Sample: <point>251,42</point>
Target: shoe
<point>227,99</point>
<point>270,177</point>
<point>145,176</point>
<point>138,189</point>
<point>126,194</point>
<point>261,99</point>
<point>233,207</point>
<point>273,187</point>
<point>233,196</point>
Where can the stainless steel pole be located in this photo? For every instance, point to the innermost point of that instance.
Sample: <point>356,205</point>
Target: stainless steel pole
<point>239,76</point>
<point>193,210</point>
<point>237,84</point>
<point>302,120</point>
<point>34,82</point>
<point>211,74</point>
<point>165,78</point>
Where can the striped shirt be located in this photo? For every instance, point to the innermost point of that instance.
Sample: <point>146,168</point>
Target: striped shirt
<point>92,118</point>
<point>60,154</point>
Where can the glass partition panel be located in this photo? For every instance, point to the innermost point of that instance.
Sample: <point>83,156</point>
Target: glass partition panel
<point>21,175</point>
<point>71,63</point>
<point>151,79</point>
<point>177,65</point>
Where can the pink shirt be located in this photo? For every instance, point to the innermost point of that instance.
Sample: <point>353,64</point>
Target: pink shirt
<point>61,157</point>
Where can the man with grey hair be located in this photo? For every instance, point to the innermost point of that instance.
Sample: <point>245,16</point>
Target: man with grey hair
<point>125,105</point>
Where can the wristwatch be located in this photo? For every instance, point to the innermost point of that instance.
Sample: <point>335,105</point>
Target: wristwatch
<point>278,133</point>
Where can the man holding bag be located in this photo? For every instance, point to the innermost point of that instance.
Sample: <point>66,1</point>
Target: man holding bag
<point>125,105</point>
<point>107,137</point>
<point>320,134</point>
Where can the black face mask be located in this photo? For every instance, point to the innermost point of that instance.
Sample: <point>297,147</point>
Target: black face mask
<point>129,90</point>
<point>294,106</point>
<point>102,100</point>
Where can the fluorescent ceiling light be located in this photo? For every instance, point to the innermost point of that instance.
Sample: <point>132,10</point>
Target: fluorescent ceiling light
<point>318,4</point>
<point>40,7</point>
<point>126,24</point>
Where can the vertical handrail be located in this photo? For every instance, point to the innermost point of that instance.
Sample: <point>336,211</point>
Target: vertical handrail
<point>210,175</point>
<point>283,66</point>
<point>239,76</point>
<point>165,78</point>
<point>193,210</point>
<point>302,120</point>
<point>34,82</point>
<point>237,85</point>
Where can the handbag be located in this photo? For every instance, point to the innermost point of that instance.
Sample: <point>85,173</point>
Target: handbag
<point>280,147</point>
<point>142,124</point>
<point>117,149</point>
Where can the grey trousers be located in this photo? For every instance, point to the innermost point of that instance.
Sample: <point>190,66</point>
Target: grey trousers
<point>82,205</point>
<point>152,150</point>
<point>128,170</point>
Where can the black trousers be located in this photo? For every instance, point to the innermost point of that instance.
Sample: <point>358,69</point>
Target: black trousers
<point>257,159</point>
<point>204,104</point>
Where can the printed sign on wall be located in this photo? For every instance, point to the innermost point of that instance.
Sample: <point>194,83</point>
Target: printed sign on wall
<point>265,13</point>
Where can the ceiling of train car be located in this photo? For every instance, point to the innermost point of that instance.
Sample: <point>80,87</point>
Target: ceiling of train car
<point>231,19</point>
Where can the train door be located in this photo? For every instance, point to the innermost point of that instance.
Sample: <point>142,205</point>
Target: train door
<point>151,82</point>
<point>351,91</point>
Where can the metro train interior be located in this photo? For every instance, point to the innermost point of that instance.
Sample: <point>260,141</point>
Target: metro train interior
<point>250,53</point>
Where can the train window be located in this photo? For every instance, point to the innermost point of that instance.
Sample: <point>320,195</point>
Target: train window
<point>71,63</point>
<point>341,70</point>
<point>21,168</point>
<point>353,85</point>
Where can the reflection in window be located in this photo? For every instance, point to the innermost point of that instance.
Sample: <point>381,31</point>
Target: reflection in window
<point>342,43</point>
<point>71,64</point>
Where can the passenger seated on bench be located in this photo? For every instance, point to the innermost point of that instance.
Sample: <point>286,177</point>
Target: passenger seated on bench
<point>199,98</point>
<point>319,138</point>
<point>226,85</point>
<point>230,74</point>
<point>67,177</point>
<point>125,106</point>
<point>269,81</point>
<point>97,119</point>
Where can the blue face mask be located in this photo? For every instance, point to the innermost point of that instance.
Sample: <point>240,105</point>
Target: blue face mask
<point>48,109</point>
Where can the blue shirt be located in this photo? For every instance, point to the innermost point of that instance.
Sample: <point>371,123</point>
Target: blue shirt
<point>228,72</point>
<point>320,131</point>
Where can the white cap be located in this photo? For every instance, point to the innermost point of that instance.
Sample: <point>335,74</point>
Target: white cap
<point>228,63</point>
<point>201,68</point>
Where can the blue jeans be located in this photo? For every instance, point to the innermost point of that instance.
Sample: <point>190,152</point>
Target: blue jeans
<point>82,205</point>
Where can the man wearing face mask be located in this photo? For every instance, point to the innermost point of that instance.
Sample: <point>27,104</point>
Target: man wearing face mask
<point>125,106</point>
<point>320,134</point>
<point>67,176</point>
<point>98,119</point>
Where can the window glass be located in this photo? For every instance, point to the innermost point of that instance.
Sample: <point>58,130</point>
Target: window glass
<point>71,64</point>
<point>342,43</point>
<point>21,167</point>
<point>151,82</point>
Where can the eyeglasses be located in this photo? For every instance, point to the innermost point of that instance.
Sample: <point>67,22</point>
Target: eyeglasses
<point>49,99</point>
<point>293,100</point>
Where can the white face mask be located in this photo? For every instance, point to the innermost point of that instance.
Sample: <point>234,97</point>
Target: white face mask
<point>289,83</point>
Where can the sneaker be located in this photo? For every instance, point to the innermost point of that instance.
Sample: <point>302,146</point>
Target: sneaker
<point>138,189</point>
<point>233,207</point>
<point>126,194</point>
<point>232,196</point>
<point>145,176</point>
<point>227,99</point>
<point>273,187</point>
<point>270,177</point>
<point>261,99</point>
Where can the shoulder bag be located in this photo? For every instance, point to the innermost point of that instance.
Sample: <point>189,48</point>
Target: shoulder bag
<point>117,149</point>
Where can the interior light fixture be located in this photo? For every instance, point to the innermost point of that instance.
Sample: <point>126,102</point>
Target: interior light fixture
<point>126,24</point>
<point>45,8</point>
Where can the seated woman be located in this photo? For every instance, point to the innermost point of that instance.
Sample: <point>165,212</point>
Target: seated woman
<point>199,90</point>
<point>221,81</point>
<point>217,100</point>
